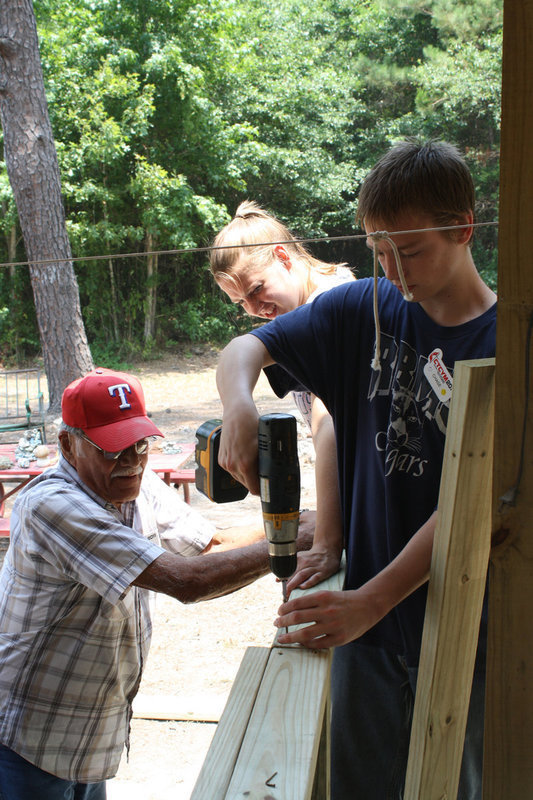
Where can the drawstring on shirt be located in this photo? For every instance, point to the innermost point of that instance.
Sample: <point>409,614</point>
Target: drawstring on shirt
<point>376,237</point>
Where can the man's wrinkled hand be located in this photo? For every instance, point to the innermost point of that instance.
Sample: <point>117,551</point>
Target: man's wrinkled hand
<point>306,530</point>
<point>313,566</point>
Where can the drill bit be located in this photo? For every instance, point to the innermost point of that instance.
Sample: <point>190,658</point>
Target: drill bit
<point>285,596</point>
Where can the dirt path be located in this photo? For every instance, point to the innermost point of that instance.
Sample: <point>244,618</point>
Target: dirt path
<point>196,650</point>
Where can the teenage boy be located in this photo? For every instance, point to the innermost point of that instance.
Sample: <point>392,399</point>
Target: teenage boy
<point>390,422</point>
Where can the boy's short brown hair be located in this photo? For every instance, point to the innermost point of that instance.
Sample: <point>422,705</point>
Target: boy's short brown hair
<point>429,177</point>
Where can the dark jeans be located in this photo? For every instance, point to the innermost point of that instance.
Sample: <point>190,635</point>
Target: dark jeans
<point>20,780</point>
<point>372,709</point>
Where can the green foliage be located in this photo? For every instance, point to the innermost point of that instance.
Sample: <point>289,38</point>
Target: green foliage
<point>209,319</point>
<point>168,113</point>
<point>19,339</point>
<point>8,217</point>
<point>113,356</point>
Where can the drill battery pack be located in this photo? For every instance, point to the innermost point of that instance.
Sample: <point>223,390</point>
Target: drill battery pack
<point>210,479</point>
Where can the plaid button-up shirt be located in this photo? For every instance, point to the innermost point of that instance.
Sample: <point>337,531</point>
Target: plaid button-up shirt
<point>74,632</point>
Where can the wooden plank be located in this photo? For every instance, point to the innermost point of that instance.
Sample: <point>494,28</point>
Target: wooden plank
<point>280,750</point>
<point>456,588</point>
<point>508,770</point>
<point>288,731</point>
<point>285,682</point>
<point>216,772</point>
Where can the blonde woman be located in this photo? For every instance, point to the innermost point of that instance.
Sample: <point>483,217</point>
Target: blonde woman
<point>259,264</point>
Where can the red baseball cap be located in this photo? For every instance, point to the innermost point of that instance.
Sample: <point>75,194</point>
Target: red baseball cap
<point>109,408</point>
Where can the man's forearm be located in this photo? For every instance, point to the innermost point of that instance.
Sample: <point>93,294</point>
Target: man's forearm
<point>225,569</point>
<point>205,577</point>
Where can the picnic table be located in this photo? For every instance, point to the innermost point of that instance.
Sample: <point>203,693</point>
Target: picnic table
<point>169,466</point>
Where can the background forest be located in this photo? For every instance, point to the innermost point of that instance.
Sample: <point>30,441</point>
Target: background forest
<point>167,113</point>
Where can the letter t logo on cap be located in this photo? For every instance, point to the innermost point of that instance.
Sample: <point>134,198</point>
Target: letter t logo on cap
<point>121,389</point>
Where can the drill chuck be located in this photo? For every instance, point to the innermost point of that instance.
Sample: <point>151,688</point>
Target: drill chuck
<point>282,557</point>
<point>279,481</point>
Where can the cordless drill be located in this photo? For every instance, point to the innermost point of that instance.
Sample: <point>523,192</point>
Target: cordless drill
<point>279,482</point>
<point>279,485</point>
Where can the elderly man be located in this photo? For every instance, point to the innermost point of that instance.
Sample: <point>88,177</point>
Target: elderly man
<point>86,545</point>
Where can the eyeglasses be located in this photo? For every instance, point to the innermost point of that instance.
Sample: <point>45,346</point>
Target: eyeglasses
<point>141,448</point>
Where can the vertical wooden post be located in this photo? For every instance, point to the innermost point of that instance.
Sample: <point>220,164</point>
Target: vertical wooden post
<point>456,588</point>
<point>508,766</point>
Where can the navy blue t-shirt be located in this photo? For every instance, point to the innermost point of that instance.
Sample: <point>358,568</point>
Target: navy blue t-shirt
<point>390,424</point>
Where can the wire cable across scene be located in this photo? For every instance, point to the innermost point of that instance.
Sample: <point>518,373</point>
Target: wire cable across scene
<point>209,248</point>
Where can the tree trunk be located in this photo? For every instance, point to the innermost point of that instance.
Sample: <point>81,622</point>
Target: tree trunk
<point>151,290</point>
<point>33,171</point>
<point>114,301</point>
